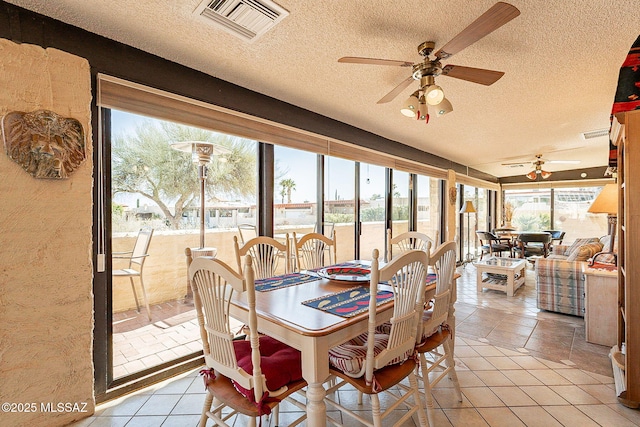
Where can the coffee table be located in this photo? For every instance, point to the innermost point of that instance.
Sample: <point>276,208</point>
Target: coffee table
<point>501,274</point>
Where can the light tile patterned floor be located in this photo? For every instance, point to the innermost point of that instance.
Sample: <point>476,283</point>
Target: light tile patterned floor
<point>517,367</point>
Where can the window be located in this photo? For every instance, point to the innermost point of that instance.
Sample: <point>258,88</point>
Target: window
<point>156,186</point>
<point>339,203</point>
<point>570,213</point>
<point>295,205</point>
<point>372,209</point>
<point>428,217</point>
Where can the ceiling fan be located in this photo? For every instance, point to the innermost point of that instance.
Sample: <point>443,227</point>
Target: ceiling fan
<point>537,166</point>
<point>430,67</point>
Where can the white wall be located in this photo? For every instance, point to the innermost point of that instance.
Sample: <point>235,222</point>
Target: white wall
<point>46,299</point>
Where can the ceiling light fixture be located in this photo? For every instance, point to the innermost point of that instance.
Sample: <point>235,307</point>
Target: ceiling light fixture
<point>533,175</point>
<point>434,94</point>
<point>410,106</point>
<point>417,105</point>
<point>443,107</point>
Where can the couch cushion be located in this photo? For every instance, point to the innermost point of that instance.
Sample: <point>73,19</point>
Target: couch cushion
<point>579,242</point>
<point>584,252</point>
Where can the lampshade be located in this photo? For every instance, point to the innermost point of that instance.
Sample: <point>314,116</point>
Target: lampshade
<point>410,106</point>
<point>545,174</point>
<point>443,107</point>
<point>468,207</point>
<point>434,94</point>
<point>607,201</point>
<point>532,175</point>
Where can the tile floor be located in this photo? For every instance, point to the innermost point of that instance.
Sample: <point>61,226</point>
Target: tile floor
<point>517,367</point>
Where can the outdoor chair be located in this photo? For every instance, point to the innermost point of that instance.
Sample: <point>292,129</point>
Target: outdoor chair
<point>375,362</point>
<point>314,250</point>
<point>249,377</point>
<point>267,253</point>
<point>490,243</point>
<point>407,241</point>
<point>136,258</point>
<point>246,232</point>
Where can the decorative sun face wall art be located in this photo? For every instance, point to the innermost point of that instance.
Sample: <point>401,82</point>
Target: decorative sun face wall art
<point>45,144</point>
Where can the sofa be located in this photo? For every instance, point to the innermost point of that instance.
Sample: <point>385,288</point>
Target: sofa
<point>559,277</point>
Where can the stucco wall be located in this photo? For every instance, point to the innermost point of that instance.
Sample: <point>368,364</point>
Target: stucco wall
<point>46,316</point>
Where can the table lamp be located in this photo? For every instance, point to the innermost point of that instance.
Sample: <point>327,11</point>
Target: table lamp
<point>607,202</point>
<point>468,208</point>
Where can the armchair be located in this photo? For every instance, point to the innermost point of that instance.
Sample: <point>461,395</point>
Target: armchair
<point>491,243</point>
<point>559,279</point>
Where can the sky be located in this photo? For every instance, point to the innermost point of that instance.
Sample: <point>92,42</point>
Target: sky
<point>300,167</point>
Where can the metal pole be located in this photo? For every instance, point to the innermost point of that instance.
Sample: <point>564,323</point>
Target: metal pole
<point>202,174</point>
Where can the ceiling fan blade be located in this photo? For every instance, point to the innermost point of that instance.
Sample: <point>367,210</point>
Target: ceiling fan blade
<point>559,162</point>
<point>374,61</point>
<point>491,20</point>
<point>515,163</point>
<point>470,74</point>
<point>396,91</point>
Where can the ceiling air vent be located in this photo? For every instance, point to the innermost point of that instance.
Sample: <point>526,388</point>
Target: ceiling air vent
<point>595,134</point>
<point>247,19</point>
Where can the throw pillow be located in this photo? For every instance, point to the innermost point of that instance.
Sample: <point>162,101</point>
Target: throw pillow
<point>584,252</point>
<point>579,242</point>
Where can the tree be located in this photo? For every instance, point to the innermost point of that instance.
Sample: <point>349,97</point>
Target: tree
<point>143,162</point>
<point>288,185</point>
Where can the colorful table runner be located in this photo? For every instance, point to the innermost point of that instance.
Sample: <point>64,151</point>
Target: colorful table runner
<point>277,282</point>
<point>348,303</point>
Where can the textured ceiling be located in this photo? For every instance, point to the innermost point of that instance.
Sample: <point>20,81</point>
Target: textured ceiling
<point>561,60</point>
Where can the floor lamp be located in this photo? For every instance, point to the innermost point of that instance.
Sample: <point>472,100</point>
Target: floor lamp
<point>607,202</point>
<point>468,208</point>
<point>201,153</point>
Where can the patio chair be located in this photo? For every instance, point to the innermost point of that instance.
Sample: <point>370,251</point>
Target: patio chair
<point>407,241</point>
<point>266,253</point>
<point>314,250</point>
<point>491,243</point>
<point>374,363</point>
<point>249,377</point>
<point>246,232</point>
<point>136,258</point>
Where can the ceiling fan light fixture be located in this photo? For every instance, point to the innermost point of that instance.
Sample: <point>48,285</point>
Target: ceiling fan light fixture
<point>423,110</point>
<point>532,175</point>
<point>410,106</point>
<point>443,107</point>
<point>434,94</point>
<point>545,174</point>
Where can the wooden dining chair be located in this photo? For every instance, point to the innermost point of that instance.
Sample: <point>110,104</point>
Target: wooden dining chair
<point>438,327</point>
<point>375,363</point>
<point>314,250</point>
<point>249,377</point>
<point>267,253</point>
<point>407,241</point>
<point>136,258</point>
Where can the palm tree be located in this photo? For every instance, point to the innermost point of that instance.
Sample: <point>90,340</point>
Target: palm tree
<point>288,185</point>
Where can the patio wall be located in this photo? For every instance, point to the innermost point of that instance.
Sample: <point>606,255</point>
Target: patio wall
<point>165,269</point>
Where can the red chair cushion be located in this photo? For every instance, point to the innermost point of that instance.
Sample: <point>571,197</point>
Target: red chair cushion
<point>280,363</point>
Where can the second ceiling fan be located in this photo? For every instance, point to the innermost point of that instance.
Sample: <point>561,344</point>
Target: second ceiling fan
<point>430,67</point>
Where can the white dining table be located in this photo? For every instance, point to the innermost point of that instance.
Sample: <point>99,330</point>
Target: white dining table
<point>282,316</point>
